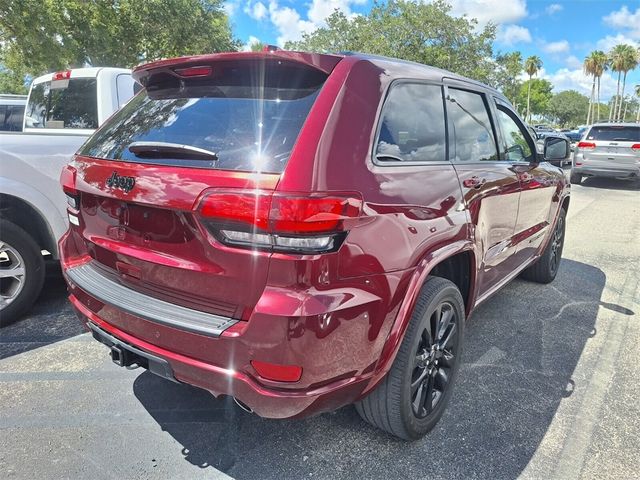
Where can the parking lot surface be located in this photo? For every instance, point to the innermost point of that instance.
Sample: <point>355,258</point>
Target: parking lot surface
<point>549,388</point>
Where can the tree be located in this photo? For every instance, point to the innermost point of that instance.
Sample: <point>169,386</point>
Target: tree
<point>12,82</point>
<point>601,64</point>
<point>44,35</point>
<point>617,61</point>
<point>569,107</point>
<point>532,65</point>
<point>589,69</point>
<point>637,92</point>
<point>538,92</point>
<point>629,62</point>
<point>509,68</point>
<point>417,31</point>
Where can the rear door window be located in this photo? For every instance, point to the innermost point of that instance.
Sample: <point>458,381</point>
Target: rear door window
<point>614,133</point>
<point>63,104</point>
<point>246,114</point>
<point>412,128</point>
<point>474,136</point>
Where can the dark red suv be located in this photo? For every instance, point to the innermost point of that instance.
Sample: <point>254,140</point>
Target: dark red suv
<point>305,231</point>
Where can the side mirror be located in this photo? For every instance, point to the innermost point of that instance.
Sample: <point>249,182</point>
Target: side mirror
<point>556,149</point>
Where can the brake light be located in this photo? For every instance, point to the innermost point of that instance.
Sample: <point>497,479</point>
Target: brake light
<point>280,373</point>
<point>272,221</point>
<point>68,182</point>
<point>635,147</point>
<point>586,145</point>
<point>66,75</point>
<point>200,71</point>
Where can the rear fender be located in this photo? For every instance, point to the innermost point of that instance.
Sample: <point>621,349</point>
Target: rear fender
<point>419,277</point>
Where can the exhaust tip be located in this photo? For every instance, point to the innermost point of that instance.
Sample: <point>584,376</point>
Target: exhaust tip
<point>242,405</point>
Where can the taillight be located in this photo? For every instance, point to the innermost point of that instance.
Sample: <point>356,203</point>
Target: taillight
<point>635,147</point>
<point>261,220</point>
<point>586,145</point>
<point>68,182</point>
<point>279,373</point>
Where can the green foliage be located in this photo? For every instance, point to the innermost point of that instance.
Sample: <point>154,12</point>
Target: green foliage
<point>569,107</point>
<point>44,35</point>
<point>421,32</point>
<point>508,68</point>
<point>12,82</point>
<point>540,95</point>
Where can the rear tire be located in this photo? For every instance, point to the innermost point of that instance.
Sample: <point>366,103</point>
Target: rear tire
<point>412,397</point>
<point>575,178</point>
<point>546,267</point>
<point>21,272</point>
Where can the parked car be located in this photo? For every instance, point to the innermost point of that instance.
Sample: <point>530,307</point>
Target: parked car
<point>608,150</point>
<point>544,128</point>
<point>303,231</point>
<point>11,112</point>
<point>62,110</point>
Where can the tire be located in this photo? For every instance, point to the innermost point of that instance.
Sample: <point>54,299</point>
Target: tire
<point>575,178</point>
<point>18,251</point>
<point>390,406</point>
<point>546,267</point>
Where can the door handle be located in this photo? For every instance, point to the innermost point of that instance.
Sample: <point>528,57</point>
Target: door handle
<point>474,182</point>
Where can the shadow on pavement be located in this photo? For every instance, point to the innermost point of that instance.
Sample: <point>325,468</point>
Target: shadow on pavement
<point>611,183</point>
<point>522,347</point>
<point>50,320</point>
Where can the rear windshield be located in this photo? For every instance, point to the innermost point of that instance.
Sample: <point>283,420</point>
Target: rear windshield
<point>68,103</point>
<point>248,114</point>
<point>615,133</point>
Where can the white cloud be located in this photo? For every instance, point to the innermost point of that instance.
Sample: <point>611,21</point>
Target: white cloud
<point>512,34</point>
<point>575,79</point>
<point>553,8</point>
<point>291,25</point>
<point>256,10</point>
<point>625,20</point>
<point>230,7</point>
<point>610,41</point>
<point>561,46</point>
<point>496,11</point>
<point>252,41</point>
<point>573,62</point>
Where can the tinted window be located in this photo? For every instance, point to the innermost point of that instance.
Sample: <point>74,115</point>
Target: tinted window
<point>412,128</point>
<point>11,117</point>
<point>516,148</point>
<point>63,104</point>
<point>248,115</point>
<point>614,133</point>
<point>474,139</point>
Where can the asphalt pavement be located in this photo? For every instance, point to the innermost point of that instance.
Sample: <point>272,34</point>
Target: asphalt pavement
<point>549,388</point>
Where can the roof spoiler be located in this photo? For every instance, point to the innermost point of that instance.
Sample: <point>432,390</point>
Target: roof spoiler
<point>323,62</point>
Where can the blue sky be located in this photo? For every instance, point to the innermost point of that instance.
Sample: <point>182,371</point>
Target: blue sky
<point>561,32</point>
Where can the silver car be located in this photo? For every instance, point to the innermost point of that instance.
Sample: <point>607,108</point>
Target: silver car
<point>608,150</point>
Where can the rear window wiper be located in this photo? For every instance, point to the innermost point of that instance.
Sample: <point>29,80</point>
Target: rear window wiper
<point>385,157</point>
<point>170,150</point>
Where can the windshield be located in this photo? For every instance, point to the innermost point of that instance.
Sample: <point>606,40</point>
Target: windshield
<point>246,124</point>
<point>615,133</point>
<point>63,104</point>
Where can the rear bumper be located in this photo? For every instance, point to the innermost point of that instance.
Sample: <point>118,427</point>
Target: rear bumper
<point>609,172</point>
<point>264,401</point>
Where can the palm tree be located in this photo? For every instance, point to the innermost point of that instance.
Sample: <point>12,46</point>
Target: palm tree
<point>637,90</point>
<point>531,65</point>
<point>617,60</point>
<point>589,69</point>
<point>601,64</point>
<point>629,62</point>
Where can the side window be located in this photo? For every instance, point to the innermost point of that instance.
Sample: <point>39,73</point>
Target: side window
<point>516,148</point>
<point>474,138</point>
<point>412,127</point>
